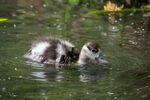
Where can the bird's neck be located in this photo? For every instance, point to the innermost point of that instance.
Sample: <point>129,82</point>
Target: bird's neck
<point>82,57</point>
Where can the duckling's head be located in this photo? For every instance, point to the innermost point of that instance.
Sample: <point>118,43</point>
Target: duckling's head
<point>91,51</point>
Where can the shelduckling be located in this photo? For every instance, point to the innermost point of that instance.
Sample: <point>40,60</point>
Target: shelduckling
<point>59,51</point>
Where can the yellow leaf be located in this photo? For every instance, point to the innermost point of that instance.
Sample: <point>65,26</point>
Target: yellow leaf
<point>112,7</point>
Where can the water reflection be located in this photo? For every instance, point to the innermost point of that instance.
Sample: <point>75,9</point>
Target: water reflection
<point>135,34</point>
<point>48,76</point>
<point>88,73</point>
<point>91,73</point>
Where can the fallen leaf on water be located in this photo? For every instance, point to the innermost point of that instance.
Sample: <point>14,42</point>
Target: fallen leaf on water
<point>3,19</point>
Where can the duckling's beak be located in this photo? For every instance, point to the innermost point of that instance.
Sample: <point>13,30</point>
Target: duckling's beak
<point>101,59</point>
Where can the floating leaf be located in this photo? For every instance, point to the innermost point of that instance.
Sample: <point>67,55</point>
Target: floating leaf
<point>3,19</point>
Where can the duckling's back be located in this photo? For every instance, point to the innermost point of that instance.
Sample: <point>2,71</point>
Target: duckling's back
<point>50,50</point>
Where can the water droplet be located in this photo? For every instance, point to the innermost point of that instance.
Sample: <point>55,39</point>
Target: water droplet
<point>87,93</point>
<point>110,93</point>
<point>74,15</point>
<point>13,14</point>
<point>112,79</point>
<point>31,6</point>
<point>47,27</point>
<point>59,78</point>
<point>57,20</point>
<point>133,42</point>
<point>3,32</point>
<point>14,95</point>
<point>132,23</point>
<point>20,76</point>
<point>43,93</point>
<point>44,5</point>
<point>131,14</point>
<point>58,26</point>
<point>144,96</point>
<point>110,68</point>
<point>54,24</point>
<point>105,34</point>
<point>120,19</point>
<point>3,89</point>
<point>83,19</point>
<point>115,97</point>
<point>46,98</point>
<point>15,69</point>
<point>135,31</point>
<point>4,26</point>
<point>60,29</point>
<point>15,25</point>
<point>70,94</point>
<point>55,12</point>
<point>147,86</point>
<point>9,78</point>
<point>125,93</point>
<point>138,89</point>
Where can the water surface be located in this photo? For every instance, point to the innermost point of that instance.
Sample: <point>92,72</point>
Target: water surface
<point>126,46</point>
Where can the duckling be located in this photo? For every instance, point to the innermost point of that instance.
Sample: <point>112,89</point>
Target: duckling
<point>59,51</point>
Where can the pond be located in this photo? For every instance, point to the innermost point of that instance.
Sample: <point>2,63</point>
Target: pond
<point>126,44</point>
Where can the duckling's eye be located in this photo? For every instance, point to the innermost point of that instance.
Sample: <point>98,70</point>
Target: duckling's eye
<point>95,50</point>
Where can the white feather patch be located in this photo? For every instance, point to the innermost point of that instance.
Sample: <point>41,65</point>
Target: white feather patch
<point>37,51</point>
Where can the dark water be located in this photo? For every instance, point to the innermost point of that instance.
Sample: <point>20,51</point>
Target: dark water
<point>126,45</point>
